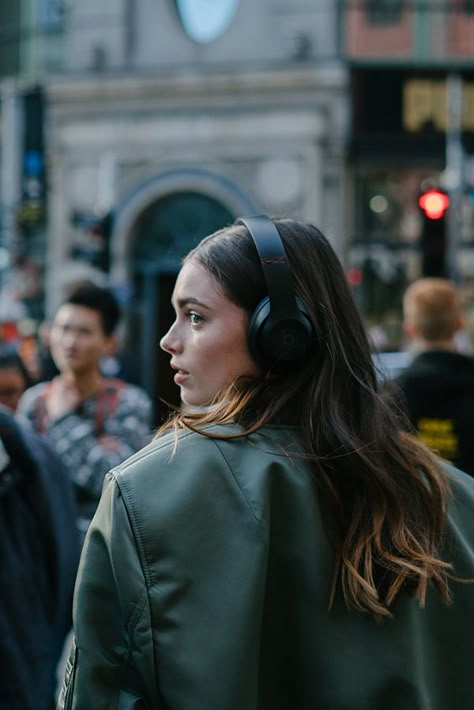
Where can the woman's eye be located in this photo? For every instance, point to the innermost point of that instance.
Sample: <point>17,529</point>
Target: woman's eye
<point>195,318</point>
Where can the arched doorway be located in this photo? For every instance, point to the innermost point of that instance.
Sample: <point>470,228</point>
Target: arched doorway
<point>163,233</point>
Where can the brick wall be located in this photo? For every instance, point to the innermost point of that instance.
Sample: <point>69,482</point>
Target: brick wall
<point>363,39</point>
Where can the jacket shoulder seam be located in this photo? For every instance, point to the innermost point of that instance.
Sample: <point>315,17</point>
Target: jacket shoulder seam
<point>237,482</point>
<point>148,450</point>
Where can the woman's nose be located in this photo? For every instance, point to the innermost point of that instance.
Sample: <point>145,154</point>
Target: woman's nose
<point>170,342</point>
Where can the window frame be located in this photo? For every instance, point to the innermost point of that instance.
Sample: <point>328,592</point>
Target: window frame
<point>384,12</point>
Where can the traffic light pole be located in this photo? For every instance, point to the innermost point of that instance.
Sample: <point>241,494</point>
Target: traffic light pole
<point>454,172</point>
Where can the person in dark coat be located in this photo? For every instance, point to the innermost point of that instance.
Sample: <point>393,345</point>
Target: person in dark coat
<point>437,387</point>
<point>39,550</point>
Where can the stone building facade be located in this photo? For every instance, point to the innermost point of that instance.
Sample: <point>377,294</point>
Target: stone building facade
<point>166,128</point>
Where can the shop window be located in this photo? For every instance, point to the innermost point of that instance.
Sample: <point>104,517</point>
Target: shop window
<point>385,247</point>
<point>384,12</point>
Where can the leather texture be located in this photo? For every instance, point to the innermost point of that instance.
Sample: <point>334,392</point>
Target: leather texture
<point>204,585</point>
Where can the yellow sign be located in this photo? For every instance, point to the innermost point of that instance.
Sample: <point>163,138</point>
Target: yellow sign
<point>424,102</point>
<point>439,435</point>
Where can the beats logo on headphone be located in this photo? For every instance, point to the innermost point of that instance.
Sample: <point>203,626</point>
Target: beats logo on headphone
<point>280,331</point>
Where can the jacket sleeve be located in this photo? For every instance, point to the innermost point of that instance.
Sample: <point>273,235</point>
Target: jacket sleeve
<point>111,662</point>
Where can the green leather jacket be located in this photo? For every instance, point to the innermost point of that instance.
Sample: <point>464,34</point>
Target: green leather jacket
<point>204,585</point>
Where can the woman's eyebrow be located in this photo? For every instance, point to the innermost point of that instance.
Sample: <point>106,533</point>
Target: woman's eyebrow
<point>182,302</point>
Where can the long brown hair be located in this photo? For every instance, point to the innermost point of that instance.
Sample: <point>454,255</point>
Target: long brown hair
<point>382,493</point>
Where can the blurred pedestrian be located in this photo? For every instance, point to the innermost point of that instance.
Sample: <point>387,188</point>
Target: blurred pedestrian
<point>438,385</point>
<point>14,377</point>
<point>94,422</point>
<point>47,368</point>
<point>39,549</point>
<point>281,544</point>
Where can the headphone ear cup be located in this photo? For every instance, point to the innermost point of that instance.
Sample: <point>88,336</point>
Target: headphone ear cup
<point>255,332</point>
<point>284,341</point>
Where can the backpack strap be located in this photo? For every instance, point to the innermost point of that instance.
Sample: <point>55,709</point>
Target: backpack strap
<point>107,401</point>
<point>40,412</point>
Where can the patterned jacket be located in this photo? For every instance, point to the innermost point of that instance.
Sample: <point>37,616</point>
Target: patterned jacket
<point>99,434</point>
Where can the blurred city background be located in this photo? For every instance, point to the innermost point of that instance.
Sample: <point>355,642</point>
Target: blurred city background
<point>132,128</point>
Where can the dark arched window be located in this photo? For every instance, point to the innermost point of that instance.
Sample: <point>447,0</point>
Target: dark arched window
<point>171,226</point>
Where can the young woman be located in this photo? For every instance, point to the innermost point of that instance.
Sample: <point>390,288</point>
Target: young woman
<point>283,546</point>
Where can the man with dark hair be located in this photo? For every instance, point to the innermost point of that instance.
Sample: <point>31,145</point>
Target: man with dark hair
<point>94,422</point>
<point>438,385</point>
<point>98,299</point>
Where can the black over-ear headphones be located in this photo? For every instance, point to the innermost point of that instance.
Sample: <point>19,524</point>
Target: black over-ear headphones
<point>280,330</point>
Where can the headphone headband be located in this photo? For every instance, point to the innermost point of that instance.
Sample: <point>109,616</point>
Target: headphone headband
<point>274,261</point>
<point>280,331</point>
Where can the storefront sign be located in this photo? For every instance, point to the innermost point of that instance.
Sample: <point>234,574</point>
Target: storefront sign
<point>424,103</point>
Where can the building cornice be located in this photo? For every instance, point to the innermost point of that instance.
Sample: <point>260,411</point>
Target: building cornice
<point>186,85</point>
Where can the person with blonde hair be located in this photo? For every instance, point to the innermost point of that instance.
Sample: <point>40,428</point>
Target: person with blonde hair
<point>438,384</point>
<point>432,313</point>
<point>281,544</point>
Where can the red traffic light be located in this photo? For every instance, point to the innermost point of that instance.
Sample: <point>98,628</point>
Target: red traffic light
<point>355,276</point>
<point>434,203</point>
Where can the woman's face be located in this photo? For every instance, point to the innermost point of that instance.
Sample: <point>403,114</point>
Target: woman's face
<point>208,339</point>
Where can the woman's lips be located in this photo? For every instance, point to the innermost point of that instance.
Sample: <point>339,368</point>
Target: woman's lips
<point>181,376</point>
